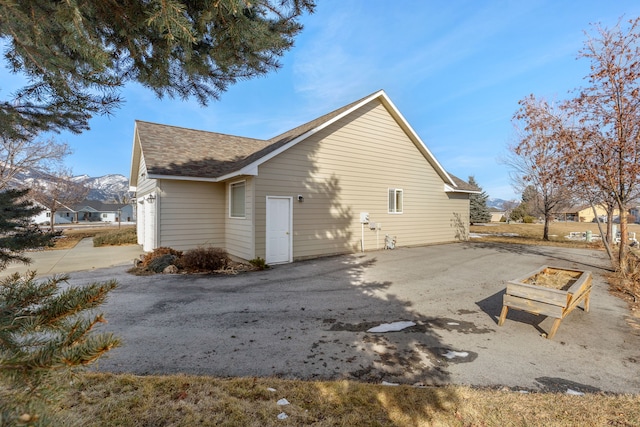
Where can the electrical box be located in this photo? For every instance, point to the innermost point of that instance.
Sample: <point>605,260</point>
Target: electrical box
<point>364,217</point>
<point>372,225</point>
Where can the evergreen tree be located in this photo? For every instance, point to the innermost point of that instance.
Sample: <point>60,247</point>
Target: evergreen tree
<point>478,210</point>
<point>17,233</point>
<point>77,54</point>
<point>43,329</point>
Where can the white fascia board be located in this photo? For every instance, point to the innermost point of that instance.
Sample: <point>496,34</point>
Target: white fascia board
<point>135,160</point>
<point>181,178</point>
<point>132,188</point>
<point>449,189</point>
<point>251,170</point>
<point>248,170</point>
<point>417,137</point>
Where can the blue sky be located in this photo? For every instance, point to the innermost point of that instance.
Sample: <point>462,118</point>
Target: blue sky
<point>454,69</point>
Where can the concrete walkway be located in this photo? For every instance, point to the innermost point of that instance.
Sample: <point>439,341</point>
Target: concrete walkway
<point>84,256</point>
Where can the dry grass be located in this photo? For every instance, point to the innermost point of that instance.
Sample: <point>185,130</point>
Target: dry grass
<point>554,278</point>
<point>531,234</point>
<point>116,400</point>
<point>72,236</point>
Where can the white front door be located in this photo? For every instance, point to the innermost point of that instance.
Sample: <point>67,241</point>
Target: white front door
<point>279,230</point>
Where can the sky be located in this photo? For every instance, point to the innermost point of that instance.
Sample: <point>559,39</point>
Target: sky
<point>455,70</point>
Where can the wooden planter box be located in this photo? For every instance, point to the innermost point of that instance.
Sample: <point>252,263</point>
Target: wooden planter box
<point>549,291</point>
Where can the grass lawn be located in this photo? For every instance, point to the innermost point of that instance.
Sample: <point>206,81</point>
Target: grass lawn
<point>72,236</point>
<point>119,400</point>
<point>532,233</point>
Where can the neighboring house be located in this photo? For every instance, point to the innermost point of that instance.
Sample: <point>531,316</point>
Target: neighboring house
<point>87,211</point>
<point>583,213</point>
<point>337,184</point>
<point>93,210</point>
<point>497,214</point>
<point>64,215</point>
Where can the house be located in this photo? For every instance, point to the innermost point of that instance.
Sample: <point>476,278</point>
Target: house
<point>87,211</point>
<point>64,215</point>
<point>582,213</point>
<point>94,210</point>
<point>497,214</point>
<point>337,184</point>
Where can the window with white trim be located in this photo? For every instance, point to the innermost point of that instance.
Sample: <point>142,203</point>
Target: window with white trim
<point>395,200</point>
<point>236,199</point>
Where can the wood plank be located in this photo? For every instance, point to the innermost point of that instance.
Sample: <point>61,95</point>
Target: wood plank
<point>535,307</point>
<point>581,284</point>
<point>538,293</point>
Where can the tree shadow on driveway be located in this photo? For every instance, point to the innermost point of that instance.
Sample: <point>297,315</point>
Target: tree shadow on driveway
<point>307,320</point>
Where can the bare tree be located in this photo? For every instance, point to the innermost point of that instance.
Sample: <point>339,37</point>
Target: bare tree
<point>58,192</point>
<point>607,142</point>
<point>19,155</point>
<point>535,158</point>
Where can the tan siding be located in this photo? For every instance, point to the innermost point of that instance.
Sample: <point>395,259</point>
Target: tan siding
<point>239,231</point>
<point>348,168</point>
<point>191,214</point>
<point>145,185</point>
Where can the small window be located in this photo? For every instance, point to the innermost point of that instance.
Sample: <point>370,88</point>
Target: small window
<point>48,214</point>
<point>104,215</point>
<point>236,199</point>
<point>395,200</point>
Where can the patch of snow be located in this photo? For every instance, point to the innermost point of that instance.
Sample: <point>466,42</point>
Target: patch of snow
<point>282,402</point>
<point>389,384</point>
<point>453,323</point>
<point>574,392</point>
<point>453,354</point>
<point>282,416</point>
<point>392,327</point>
<point>271,389</point>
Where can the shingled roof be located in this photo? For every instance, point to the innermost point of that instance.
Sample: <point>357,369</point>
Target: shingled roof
<point>175,152</point>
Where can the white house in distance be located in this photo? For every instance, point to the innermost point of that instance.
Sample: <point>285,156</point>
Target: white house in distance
<point>337,184</point>
<point>87,211</point>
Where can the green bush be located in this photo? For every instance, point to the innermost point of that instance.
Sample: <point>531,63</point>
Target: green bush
<point>503,219</point>
<point>204,260</point>
<point>125,236</point>
<point>259,263</point>
<point>528,219</point>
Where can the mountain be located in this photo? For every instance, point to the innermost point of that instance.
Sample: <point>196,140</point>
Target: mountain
<point>107,188</point>
<point>495,203</point>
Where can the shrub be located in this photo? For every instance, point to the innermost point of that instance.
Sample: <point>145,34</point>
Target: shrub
<point>503,219</point>
<point>259,263</point>
<point>157,253</point>
<point>158,264</point>
<point>528,219</point>
<point>204,259</point>
<point>126,236</point>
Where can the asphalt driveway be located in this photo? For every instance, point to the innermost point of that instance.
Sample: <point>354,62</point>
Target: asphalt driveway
<point>310,320</point>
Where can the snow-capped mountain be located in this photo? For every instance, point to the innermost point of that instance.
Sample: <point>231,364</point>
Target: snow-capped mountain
<point>495,203</point>
<point>107,188</point>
